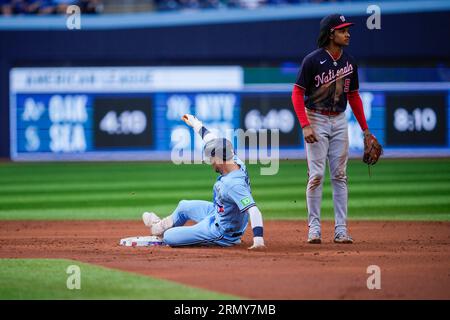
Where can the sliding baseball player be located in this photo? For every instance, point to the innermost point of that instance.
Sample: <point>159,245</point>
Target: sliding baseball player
<point>223,221</point>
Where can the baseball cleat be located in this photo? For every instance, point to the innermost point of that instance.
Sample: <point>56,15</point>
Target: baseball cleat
<point>314,238</point>
<point>343,238</point>
<point>150,218</point>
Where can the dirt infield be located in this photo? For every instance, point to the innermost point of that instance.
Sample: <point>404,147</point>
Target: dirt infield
<point>414,258</point>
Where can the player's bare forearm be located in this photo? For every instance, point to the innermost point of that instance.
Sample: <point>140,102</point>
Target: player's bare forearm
<point>198,127</point>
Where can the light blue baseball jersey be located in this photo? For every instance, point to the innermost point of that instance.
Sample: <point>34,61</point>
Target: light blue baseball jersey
<point>232,198</point>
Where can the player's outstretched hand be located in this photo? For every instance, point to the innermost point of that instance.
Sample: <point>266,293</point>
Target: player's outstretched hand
<point>191,120</point>
<point>258,244</point>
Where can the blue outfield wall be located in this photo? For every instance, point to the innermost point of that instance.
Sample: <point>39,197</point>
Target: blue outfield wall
<point>411,32</point>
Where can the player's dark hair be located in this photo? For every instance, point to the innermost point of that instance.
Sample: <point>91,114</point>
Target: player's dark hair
<point>324,38</point>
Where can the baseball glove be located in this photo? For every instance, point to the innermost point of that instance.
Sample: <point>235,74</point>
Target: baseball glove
<point>372,149</point>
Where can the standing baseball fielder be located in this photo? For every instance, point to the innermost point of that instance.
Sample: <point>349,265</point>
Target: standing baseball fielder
<point>328,78</point>
<point>223,221</point>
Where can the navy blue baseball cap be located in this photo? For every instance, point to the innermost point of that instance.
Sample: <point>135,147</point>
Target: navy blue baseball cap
<point>334,22</point>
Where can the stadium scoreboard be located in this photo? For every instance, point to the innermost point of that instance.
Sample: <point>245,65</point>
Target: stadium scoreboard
<point>133,113</point>
<point>122,112</point>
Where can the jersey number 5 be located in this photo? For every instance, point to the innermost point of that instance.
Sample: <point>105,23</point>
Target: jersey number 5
<point>346,85</point>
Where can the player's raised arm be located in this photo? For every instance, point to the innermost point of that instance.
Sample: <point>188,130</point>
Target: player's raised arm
<point>198,127</point>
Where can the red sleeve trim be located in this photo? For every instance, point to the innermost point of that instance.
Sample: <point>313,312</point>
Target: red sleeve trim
<point>300,86</point>
<point>298,96</point>
<point>357,107</point>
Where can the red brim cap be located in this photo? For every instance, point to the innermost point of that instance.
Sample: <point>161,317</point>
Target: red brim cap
<point>343,25</point>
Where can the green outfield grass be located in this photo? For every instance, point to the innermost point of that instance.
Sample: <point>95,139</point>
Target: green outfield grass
<point>398,189</point>
<point>47,279</point>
